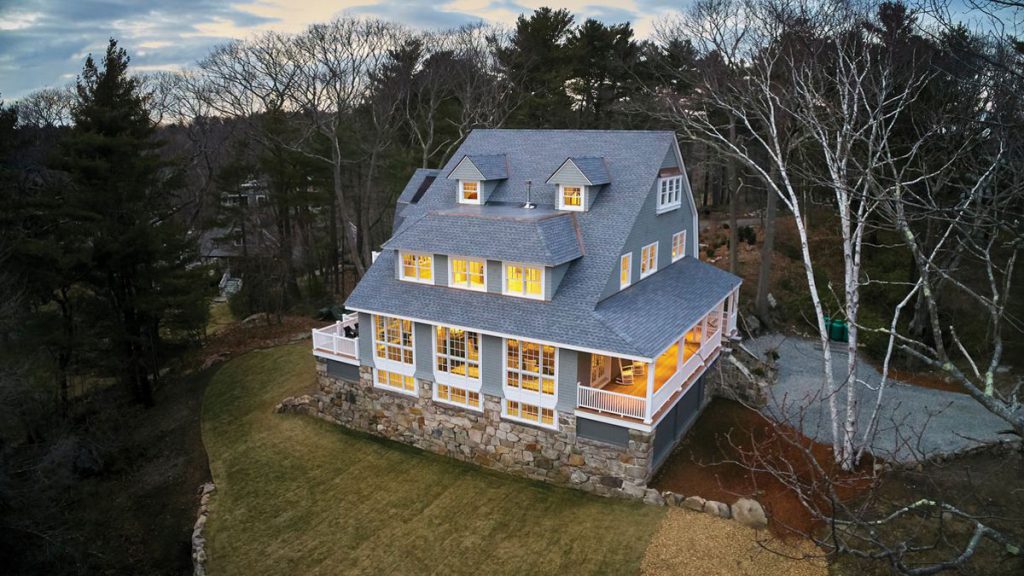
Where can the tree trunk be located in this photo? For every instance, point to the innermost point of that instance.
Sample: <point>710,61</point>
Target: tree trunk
<point>333,251</point>
<point>734,203</point>
<point>767,249</point>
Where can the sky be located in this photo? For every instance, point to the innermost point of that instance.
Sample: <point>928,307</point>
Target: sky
<point>45,42</point>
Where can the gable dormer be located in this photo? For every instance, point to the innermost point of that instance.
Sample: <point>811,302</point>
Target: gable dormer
<point>577,181</point>
<point>477,176</point>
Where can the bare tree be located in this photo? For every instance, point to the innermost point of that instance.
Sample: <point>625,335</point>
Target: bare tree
<point>47,108</point>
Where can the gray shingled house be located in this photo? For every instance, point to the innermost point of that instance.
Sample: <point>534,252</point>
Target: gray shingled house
<point>541,308</point>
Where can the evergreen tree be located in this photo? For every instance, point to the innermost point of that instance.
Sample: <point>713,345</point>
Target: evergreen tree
<point>122,194</point>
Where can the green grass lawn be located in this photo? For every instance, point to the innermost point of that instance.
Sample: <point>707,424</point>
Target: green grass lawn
<point>299,496</point>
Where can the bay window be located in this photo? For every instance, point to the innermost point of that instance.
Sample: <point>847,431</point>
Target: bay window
<point>417,267</point>
<point>468,273</point>
<point>525,281</point>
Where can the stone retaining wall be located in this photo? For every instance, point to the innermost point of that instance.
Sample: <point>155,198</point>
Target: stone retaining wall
<point>484,438</point>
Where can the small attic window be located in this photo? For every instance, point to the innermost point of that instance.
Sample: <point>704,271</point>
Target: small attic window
<point>469,191</point>
<point>572,197</point>
<point>670,193</point>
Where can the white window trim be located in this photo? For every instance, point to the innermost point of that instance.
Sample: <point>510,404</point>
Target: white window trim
<point>394,365</point>
<point>401,267</point>
<point>523,294</point>
<point>451,273</point>
<point>537,398</point>
<point>651,270</point>
<point>415,392</point>
<point>520,420</point>
<point>682,251</point>
<point>453,381</point>
<point>583,198</point>
<point>677,196</point>
<point>479,192</point>
<point>629,273</point>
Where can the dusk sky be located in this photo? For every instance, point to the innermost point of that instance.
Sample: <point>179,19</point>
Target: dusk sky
<point>44,42</point>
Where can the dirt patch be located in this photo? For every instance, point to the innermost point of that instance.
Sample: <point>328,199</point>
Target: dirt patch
<point>711,462</point>
<point>689,543</point>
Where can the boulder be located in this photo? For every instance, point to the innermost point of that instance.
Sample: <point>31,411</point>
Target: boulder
<point>719,509</point>
<point>578,477</point>
<point>750,513</point>
<point>695,503</point>
<point>652,496</point>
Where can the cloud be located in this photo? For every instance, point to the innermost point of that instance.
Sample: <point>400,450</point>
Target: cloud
<point>608,14</point>
<point>415,14</point>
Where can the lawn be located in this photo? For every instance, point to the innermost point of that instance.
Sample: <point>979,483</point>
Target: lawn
<point>299,496</point>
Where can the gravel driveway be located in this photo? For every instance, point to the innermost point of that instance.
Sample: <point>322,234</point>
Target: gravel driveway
<point>913,421</point>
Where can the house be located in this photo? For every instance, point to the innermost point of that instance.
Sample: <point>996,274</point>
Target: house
<point>540,309</point>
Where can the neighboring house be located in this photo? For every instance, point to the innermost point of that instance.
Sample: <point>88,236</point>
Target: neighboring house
<point>540,309</point>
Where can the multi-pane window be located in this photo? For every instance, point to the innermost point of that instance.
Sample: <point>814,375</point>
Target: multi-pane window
<point>468,273</point>
<point>417,267</point>
<point>393,339</point>
<point>395,381</point>
<point>670,193</point>
<point>456,395</point>
<point>572,197</point>
<point>530,412</point>
<point>649,260</point>
<point>458,352</point>
<point>625,270</point>
<point>527,281</point>
<point>469,191</point>
<point>530,366</point>
<point>678,245</point>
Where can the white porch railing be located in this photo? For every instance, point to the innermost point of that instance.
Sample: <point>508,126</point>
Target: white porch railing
<point>611,402</point>
<point>331,339</point>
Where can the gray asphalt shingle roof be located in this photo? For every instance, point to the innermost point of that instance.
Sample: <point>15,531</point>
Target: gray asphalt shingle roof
<point>575,316</point>
<point>593,168</point>
<point>491,166</point>
<point>414,183</point>
<point>541,236</point>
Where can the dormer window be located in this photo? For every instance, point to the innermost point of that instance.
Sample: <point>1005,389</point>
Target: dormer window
<point>524,281</point>
<point>469,191</point>
<point>670,193</point>
<point>417,267</point>
<point>571,197</point>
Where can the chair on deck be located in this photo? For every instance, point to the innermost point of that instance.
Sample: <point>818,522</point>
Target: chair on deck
<point>625,372</point>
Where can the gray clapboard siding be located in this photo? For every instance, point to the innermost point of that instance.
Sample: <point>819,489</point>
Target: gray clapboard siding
<point>423,343</point>
<point>365,339</point>
<point>491,365</point>
<point>567,374</point>
<point>441,269</point>
<point>494,276</point>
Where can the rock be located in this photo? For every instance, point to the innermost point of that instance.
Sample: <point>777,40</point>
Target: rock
<point>260,317</point>
<point>753,325</point>
<point>611,481</point>
<point>576,460</point>
<point>578,477</point>
<point>749,513</point>
<point>673,498</point>
<point>772,302</point>
<point>206,488</point>
<point>633,490</point>
<point>719,509</point>
<point>695,503</point>
<point>652,496</point>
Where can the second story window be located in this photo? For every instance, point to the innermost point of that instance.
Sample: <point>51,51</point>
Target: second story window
<point>670,193</point>
<point>525,281</point>
<point>393,339</point>
<point>625,270</point>
<point>678,245</point>
<point>649,260</point>
<point>530,366</point>
<point>468,273</point>
<point>469,191</point>
<point>417,267</point>
<point>571,197</point>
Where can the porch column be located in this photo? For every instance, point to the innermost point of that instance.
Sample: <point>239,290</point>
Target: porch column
<point>650,392</point>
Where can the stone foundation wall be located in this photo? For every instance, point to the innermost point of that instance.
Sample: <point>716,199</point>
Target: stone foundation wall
<point>746,380</point>
<point>559,457</point>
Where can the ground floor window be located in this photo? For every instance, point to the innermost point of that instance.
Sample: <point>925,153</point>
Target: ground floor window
<point>395,381</point>
<point>456,395</point>
<point>529,413</point>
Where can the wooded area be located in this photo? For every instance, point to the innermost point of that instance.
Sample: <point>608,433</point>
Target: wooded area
<point>889,137</point>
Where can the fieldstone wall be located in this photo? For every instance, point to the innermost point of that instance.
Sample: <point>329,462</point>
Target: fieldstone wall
<point>746,380</point>
<point>559,457</point>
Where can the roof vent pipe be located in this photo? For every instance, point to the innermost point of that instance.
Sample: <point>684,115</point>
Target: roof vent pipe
<point>529,186</point>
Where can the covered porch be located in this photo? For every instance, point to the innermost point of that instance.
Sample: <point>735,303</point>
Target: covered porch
<point>638,391</point>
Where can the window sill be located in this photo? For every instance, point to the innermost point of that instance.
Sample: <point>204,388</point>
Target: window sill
<point>416,280</point>
<point>668,208</point>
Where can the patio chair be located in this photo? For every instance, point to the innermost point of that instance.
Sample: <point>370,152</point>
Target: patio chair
<point>625,372</point>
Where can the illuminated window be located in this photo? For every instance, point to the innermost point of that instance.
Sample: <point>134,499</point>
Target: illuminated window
<point>469,191</point>
<point>526,281</point>
<point>468,273</point>
<point>625,270</point>
<point>530,366</point>
<point>418,267</point>
<point>670,193</point>
<point>678,245</point>
<point>649,260</point>
<point>529,413</point>
<point>393,339</point>
<point>456,395</point>
<point>571,198</point>
<point>458,352</point>
<point>395,381</point>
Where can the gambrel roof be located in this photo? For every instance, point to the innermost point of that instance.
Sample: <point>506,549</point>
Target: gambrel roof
<point>502,229</point>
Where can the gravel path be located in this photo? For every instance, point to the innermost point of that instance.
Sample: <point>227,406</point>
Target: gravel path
<point>913,421</point>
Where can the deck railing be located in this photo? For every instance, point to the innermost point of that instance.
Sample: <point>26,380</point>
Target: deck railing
<point>611,402</point>
<point>332,338</point>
